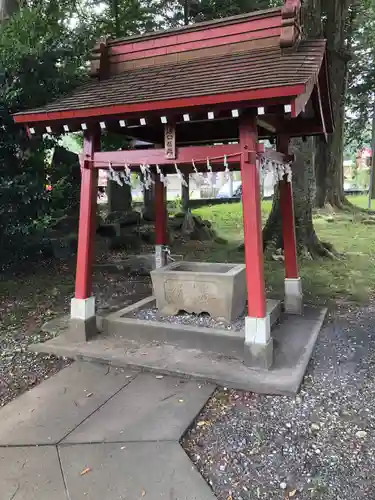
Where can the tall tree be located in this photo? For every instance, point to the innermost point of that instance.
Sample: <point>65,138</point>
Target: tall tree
<point>339,16</point>
<point>8,8</point>
<point>361,81</point>
<point>303,172</point>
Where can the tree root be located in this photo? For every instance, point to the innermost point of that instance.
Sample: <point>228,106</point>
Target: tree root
<point>344,205</point>
<point>311,250</point>
<point>321,249</point>
<point>308,246</point>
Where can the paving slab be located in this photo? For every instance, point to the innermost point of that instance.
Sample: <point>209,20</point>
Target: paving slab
<point>294,340</point>
<point>135,471</point>
<point>31,473</point>
<point>47,413</point>
<point>148,409</point>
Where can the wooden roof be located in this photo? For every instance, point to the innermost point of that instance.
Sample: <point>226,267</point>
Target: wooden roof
<point>250,60</point>
<point>255,70</point>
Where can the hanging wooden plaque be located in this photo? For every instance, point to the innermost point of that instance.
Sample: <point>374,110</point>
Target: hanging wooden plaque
<point>170,141</point>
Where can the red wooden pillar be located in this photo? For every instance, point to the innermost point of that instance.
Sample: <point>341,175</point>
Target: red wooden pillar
<point>258,342</point>
<point>252,218</point>
<point>293,288</point>
<point>83,304</point>
<point>87,218</point>
<point>287,218</point>
<point>161,236</point>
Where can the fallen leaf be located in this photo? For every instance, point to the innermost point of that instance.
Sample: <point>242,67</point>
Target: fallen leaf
<point>361,434</point>
<point>292,493</point>
<point>143,493</point>
<point>85,471</point>
<point>89,395</point>
<point>159,376</point>
<point>180,400</point>
<point>202,423</point>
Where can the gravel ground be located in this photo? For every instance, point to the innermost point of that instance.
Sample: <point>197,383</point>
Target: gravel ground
<point>30,299</point>
<point>200,320</point>
<point>318,445</point>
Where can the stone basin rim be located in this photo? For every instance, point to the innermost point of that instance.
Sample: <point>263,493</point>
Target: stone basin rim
<point>229,269</point>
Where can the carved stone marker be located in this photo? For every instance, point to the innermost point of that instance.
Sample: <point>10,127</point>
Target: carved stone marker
<point>195,287</point>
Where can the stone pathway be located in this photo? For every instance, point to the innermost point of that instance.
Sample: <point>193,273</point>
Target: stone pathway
<point>101,433</point>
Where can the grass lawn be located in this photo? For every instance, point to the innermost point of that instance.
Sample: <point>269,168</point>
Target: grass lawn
<point>350,278</point>
<point>361,201</point>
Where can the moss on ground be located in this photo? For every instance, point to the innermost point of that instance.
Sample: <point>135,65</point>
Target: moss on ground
<point>350,278</point>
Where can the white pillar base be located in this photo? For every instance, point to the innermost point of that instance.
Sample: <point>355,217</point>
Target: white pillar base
<point>82,308</point>
<point>293,302</point>
<point>257,330</point>
<point>258,342</point>
<point>160,256</point>
<point>82,319</point>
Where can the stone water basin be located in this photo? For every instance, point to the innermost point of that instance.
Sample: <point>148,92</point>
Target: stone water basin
<point>201,287</point>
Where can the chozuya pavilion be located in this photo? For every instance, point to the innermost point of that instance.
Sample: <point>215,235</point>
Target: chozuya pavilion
<point>204,95</point>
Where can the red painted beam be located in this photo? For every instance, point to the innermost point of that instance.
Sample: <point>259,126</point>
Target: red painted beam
<point>157,156</point>
<point>123,109</point>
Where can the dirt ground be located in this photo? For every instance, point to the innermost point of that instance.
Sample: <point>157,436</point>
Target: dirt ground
<point>32,297</point>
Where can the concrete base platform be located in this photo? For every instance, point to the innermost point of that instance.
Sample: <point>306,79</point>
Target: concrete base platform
<point>294,340</point>
<point>123,325</point>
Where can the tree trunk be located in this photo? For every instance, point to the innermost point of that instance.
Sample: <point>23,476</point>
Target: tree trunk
<point>8,8</point>
<point>330,154</point>
<point>329,158</point>
<point>308,243</point>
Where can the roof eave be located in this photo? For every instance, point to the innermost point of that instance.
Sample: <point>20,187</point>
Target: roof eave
<point>258,95</point>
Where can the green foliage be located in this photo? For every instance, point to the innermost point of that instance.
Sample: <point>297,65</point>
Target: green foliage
<point>120,18</point>
<point>191,11</point>
<point>40,59</point>
<point>361,84</point>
